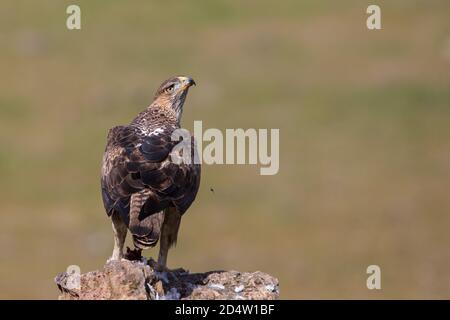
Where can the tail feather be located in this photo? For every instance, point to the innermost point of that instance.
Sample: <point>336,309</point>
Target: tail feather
<point>146,231</point>
<point>144,242</point>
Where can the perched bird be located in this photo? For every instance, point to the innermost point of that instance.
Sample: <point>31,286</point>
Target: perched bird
<point>144,190</point>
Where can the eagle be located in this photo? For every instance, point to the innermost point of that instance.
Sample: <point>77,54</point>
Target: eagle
<point>144,189</point>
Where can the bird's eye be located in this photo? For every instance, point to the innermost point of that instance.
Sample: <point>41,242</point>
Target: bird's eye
<point>169,89</point>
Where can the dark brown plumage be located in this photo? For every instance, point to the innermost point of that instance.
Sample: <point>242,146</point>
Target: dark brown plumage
<point>143,190</point>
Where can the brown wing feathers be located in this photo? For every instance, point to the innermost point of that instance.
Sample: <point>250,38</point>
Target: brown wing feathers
<point>139,181</point>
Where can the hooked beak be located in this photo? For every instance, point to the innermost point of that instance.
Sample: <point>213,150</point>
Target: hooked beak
<point>186,82</point>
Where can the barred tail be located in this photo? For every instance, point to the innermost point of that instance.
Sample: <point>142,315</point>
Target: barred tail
<point>144,228</point>
<point>146,233</point>
<point>145,242</point>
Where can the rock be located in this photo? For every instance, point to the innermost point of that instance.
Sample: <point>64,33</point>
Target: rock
<point>137,280</point>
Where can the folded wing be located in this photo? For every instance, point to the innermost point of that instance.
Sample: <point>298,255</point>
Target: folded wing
<point>134,162</point>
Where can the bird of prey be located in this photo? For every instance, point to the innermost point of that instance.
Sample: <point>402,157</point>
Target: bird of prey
<point>143,189</point>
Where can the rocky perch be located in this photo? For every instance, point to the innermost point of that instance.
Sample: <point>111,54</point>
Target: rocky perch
<point>137,280</point>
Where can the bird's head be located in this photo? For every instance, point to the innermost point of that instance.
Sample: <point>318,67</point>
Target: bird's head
<point>172,93</point>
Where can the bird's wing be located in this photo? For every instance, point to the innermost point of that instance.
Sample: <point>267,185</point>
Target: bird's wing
<point>134,161</point>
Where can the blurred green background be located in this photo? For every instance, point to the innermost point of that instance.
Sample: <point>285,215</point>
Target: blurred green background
<point>364,120</point>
